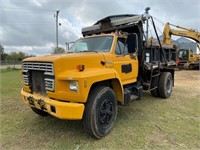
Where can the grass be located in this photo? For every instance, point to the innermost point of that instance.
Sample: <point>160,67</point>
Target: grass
<point>8,69</point>
<point>151,123</point>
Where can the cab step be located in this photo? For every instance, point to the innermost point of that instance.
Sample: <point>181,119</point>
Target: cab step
<point>131,93</point>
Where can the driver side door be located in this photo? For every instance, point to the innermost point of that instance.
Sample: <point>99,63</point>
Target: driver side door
<point>125,62</point>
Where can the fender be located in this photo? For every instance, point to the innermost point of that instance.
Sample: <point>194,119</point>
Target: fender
<point>86,79</point>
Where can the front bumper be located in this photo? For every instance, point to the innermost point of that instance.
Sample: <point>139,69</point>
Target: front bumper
<point>62,110</point>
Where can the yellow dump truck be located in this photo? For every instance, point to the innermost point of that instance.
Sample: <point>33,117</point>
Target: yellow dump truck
<point>109,66</point>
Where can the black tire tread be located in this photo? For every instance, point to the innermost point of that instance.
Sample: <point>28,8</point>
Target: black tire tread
<point>161,87</point>
<point>87,118</point>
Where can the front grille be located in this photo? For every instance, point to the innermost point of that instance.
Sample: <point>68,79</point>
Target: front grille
<point>37,81</point>
<point>46,67</point>
<point>26,79</point>
<point>38,76</point>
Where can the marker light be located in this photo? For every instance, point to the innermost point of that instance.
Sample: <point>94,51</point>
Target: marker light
<point>80,67</point>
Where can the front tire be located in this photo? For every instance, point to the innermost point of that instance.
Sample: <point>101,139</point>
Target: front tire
<point>100,112</point>
<point>165,85</point>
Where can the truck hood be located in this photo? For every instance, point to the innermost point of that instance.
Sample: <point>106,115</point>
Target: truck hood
<point>69,61</point>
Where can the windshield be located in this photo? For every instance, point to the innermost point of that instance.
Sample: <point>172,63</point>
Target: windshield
<point>98,44</point>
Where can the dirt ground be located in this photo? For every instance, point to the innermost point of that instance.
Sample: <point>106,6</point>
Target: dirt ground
<point>188,79</point>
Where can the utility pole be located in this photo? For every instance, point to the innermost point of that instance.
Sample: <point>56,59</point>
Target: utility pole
<point>57,12</point>
<point>147,27</point>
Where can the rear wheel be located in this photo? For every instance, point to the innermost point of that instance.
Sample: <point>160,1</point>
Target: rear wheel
<point>165,85</point>
<point>39,112</point>
<point>100,112</point>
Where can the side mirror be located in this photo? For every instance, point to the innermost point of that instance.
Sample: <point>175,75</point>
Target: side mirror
<point>132,42</point>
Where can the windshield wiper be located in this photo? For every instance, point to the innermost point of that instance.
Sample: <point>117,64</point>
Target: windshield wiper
<point>88,51</point>
<point>70,52</point>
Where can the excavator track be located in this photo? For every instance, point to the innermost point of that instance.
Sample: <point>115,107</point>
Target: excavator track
<point>192,65</point>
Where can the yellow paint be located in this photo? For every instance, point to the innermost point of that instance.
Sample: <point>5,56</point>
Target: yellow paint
<point>64,110</point>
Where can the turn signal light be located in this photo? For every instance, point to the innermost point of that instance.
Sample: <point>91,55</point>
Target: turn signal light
<point>80,67</point>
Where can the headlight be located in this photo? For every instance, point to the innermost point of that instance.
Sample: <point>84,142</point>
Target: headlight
<point>73,86</point>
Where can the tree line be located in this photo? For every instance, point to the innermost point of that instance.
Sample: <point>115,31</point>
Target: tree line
<point>14,56</point>
<point>19,56</point>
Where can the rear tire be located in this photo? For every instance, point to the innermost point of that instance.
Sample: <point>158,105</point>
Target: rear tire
<point>100,112</point>
<point>165,85</point>
<point>39,112</point>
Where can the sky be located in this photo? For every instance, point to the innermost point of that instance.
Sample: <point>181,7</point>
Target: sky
<point>30,26</point>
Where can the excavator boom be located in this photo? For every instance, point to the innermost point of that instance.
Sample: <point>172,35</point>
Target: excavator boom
<point>189,34</point>
<point>185,32</point>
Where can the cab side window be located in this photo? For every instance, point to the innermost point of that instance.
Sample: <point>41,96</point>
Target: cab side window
<point>121,47</point>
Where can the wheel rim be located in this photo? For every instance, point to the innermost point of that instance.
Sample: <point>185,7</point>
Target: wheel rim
<point>169,85</point>
<point>106,112</point>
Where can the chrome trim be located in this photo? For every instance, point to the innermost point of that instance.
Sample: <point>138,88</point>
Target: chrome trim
<point>26,79</point>
<point>49,84</point>
<point>46,67</point>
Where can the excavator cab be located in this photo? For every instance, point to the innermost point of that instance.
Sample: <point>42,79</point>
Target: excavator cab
<point>183,55</point>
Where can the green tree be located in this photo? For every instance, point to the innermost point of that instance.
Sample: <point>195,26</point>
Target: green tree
<point>18,56</point>
<point>1,49</point>
<point>21,56</point>
<point>2,54</point>
<point>12,56</point>
<point>58,50</point>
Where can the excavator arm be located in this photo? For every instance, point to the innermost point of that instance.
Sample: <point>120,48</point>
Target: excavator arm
<point>189,33</point>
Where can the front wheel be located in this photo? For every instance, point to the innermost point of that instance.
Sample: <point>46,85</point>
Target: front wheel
<point>165,85</point>
<point>100,112</point>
